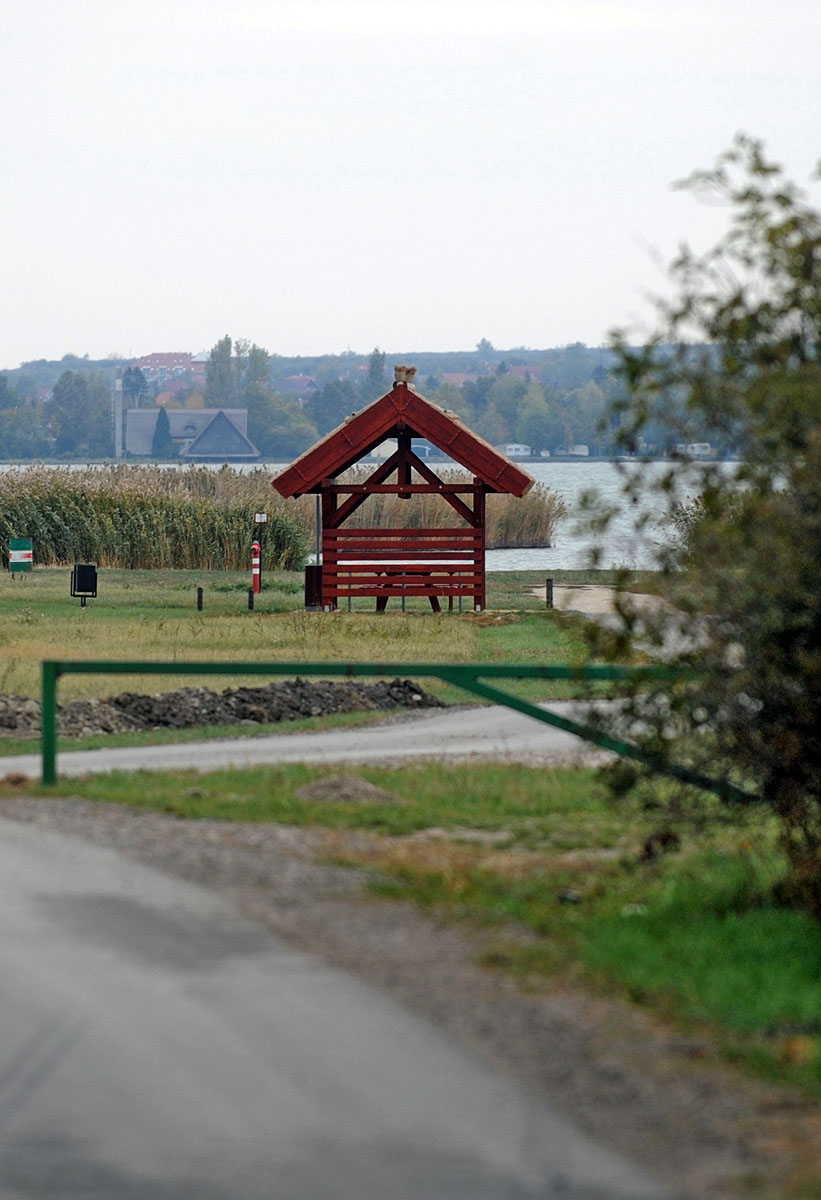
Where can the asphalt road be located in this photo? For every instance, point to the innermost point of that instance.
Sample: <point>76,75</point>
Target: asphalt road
<point>153,1043</point>
<point>492,733</point>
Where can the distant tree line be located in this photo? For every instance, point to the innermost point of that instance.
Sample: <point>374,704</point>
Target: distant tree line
<point>548,400</point>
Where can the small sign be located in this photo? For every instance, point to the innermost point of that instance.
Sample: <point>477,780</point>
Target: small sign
<point>260,518</point>
<point>21,556</point>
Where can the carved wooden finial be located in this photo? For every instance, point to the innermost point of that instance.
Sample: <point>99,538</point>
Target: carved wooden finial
<point>404,375</point>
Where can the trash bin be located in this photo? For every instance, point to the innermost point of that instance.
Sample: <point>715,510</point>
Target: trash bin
<point>313,587</point>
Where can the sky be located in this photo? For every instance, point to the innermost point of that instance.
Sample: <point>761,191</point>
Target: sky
<point>327,175</point>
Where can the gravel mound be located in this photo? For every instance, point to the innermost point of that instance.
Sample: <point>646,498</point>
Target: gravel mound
<point>185,708</point>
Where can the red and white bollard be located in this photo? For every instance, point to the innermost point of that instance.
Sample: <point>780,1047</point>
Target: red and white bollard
<point>256,577</point>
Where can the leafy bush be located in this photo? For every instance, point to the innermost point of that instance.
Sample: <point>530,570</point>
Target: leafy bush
<point>745,598</point>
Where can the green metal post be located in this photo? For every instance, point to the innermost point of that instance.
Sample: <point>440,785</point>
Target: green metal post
<point>48,722</point>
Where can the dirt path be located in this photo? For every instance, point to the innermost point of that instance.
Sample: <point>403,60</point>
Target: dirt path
<point>645,1091</point>
<point>594,600</point>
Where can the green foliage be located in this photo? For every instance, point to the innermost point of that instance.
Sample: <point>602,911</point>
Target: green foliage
<point>747,589</point>
<point>706,943</point>
<point>162,444</point>
<point>221,382</point>
<point>546,391</point>
<point>238,374</point>
<point>79,415</point>
<point>374,385</point>
<point>329,407</point>
<point>135,386</point>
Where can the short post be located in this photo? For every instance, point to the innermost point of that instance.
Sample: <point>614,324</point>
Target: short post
<point>548,593</point>
<point>256,578</point>
<point>251,599</point>
<point>48,722</point>
<point>199,599</point>
<point>260,520</point>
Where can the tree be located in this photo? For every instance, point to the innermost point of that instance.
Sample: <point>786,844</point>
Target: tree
<point>79,415</point>
<point>135,386</point>
<point>737,356</point>
<point>221,376</point>
<point>374,385</point>
<point>279,428</point>
<point>162,444</point>
<point>238,375</point>
<point>8,397</point>
<point>329,406</point>
<point>535,424</point>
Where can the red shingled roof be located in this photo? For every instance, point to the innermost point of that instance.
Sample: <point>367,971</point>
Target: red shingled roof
<point>402,410</point>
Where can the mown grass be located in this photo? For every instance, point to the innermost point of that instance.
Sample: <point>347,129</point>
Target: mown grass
<point>557,878</point>
<point>153,615</point>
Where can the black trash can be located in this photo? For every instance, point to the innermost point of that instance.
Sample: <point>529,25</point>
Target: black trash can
<point>313,587</point>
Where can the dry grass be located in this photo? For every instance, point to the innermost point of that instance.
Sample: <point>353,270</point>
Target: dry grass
<point>153,615</point>
<point>154,517</point>
<point>129,516</point>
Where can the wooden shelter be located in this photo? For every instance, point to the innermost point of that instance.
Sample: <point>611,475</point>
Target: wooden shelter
<point>433,562</point>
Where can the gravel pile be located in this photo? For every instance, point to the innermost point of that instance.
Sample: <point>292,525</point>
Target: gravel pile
<point>185,708</point>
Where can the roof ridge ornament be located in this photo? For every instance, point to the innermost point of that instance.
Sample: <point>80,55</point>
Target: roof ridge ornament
<point>404,375</point>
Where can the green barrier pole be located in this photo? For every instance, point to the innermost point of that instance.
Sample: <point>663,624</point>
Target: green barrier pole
<point>48,721</point>
<point>471,677</point>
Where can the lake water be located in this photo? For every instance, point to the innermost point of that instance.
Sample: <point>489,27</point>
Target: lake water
<point>572,546</point>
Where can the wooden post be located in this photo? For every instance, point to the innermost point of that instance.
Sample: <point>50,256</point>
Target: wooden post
<point>548,593</point>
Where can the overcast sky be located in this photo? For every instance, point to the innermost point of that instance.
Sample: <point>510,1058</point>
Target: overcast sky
<point>323,175</point>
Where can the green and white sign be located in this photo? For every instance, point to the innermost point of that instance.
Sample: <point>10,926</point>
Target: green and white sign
<point>21,556</point>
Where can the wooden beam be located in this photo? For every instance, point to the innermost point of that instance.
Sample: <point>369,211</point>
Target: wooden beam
<point>359,497</point>
<point>458,505</point>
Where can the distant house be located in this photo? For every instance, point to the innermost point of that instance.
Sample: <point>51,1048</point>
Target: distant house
<point>202,434</point>
<point>158,368</point>
<point>296,385</point>
<point>523,371</point>
<point>515,450</point>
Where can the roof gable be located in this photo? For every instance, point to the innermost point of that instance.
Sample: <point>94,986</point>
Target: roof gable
<point>221,439</point>
<point>186,426</point>
<point>401,410</point>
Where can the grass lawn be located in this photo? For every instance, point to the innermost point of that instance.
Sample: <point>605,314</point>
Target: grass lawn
<point>153,615</point>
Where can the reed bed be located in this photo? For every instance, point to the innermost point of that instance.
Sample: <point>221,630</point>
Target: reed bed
<point>138,517</point>
<point>150,517</point>
<point>529,521</point>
